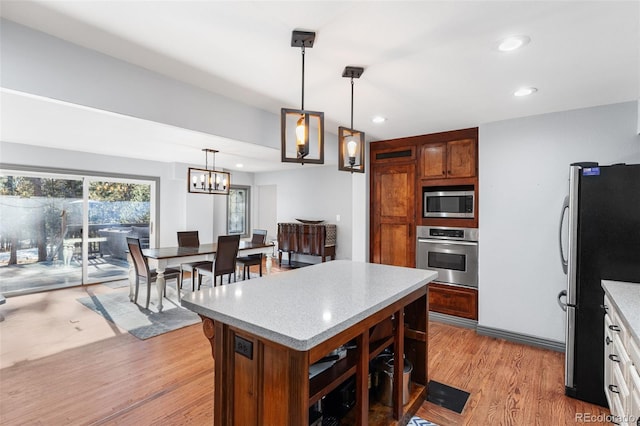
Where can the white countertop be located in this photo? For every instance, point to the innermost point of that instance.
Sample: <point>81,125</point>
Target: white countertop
<point>626,298</point>
<point>304,307</point>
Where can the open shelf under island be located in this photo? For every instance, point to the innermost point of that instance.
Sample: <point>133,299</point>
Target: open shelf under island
<point>265,334</point>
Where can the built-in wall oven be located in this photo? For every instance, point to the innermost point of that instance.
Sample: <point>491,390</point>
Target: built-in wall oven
<point>452,252</point>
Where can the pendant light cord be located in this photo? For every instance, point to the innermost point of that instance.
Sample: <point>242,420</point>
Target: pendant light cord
<point>351,103</point>
<point>302,76</point>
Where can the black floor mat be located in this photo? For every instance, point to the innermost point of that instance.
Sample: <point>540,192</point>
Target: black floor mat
<point>446,396</point>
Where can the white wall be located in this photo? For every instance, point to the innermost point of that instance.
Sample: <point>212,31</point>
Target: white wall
<point>37,63</point>
<point>524,172</point>
<point>266,209</point>
<point>360,217</point>
<point>315,193</point>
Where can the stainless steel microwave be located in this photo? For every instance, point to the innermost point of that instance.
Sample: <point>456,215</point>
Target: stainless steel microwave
<point>449,204</point>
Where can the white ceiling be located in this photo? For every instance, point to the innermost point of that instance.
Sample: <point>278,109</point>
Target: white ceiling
<point>429,66</point>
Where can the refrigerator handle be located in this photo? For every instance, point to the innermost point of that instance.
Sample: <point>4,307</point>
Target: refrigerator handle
<point>563,305</point>
<point>570,349</point>
<point>563,259</point>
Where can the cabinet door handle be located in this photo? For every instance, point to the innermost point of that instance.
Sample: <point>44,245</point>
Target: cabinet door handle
<point>614,357</point>
<point>608,341</point>
<point>605,307</point>
<point>614,389</point>
<point>614,327</point>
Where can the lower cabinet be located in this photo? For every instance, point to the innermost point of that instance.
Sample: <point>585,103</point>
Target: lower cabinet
<point>621,369</point>
<point>453,300</point>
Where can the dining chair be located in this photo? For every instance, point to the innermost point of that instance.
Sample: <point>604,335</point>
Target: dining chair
<point>259,236</point>
<point>190,239</point>
<point>225,262</point>
<point>150,275</point>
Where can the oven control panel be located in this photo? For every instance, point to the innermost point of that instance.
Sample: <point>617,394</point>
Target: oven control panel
<point>447,233</point>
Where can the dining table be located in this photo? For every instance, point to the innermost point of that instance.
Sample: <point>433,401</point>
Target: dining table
<point>162,258</point>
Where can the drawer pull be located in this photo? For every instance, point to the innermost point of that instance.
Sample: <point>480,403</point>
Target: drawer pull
<point>614,327</point>
<point>608,341</point>
<point>614,357</point>
<point>614,389</point>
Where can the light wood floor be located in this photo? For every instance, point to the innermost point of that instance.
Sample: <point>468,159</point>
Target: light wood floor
<point>62,364</point>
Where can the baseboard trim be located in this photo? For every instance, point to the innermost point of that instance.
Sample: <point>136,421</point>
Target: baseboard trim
<point>525,339</point>
<point>450,319</point>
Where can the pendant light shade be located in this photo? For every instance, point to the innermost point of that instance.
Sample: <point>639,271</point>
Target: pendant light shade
<point>302,130</point>
<point>351,143</point>
<point>208,181</point>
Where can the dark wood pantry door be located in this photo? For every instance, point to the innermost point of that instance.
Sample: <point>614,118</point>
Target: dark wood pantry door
<point>393,215</point>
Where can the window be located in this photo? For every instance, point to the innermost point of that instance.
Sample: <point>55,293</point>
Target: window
<point>238,211</point>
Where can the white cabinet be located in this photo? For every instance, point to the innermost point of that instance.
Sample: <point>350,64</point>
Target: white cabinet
<point>621,368</point>
<point>634,398</point>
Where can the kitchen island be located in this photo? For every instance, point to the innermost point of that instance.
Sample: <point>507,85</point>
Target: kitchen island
<point>265,334</point>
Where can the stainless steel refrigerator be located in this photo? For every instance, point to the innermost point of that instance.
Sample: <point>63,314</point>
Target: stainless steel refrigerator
<point>601,223</point>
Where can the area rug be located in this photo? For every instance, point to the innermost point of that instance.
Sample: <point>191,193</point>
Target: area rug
<point>417,421</point>
<point>138,321</point>
<point>117,283</point>
<point>446,396</point>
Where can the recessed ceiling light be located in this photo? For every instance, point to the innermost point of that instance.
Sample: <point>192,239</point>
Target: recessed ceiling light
<point>514,42</point>
<point>378,119</point>
<point>525,91</point>
<point>239,165</point>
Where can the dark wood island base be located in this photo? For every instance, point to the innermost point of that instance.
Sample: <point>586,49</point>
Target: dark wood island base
<point>260,382</point>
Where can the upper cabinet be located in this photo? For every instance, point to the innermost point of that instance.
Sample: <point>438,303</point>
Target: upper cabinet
<point>450,159</point>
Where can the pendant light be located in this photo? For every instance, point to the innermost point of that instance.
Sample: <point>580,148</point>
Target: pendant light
<point>350,141</point>
<point>302,131</point>
<point>208,181</point>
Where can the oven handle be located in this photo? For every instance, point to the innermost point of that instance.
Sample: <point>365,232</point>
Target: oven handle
<point>462,243</point>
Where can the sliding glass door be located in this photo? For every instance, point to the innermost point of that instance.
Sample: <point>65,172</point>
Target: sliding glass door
<point>63,230</point>
<point>35,252</point>
<point>117,209</point>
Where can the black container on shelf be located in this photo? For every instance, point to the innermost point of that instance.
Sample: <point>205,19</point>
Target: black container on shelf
<point>338,402</point>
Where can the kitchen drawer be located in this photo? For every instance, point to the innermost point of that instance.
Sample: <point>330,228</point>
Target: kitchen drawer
<point>622,332</point>
<point>453,300</point>
<point>619,356</point>
<point>608,307</point>
<point>634,382</point>
<point>620,392</point>
<point>634,399</point>
<point>634,353</point>
<point>608,363</point>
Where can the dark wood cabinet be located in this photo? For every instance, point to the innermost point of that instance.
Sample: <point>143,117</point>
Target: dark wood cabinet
<point>309,239</point>
<point>393,217</point>
<point>433,159</point>
<point>450,159</point>
<point>400,170</point>
<point>453,300</point>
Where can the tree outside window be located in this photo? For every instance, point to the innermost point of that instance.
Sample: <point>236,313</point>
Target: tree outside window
<point>238,211</point>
